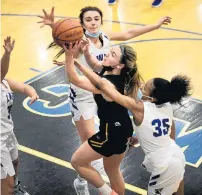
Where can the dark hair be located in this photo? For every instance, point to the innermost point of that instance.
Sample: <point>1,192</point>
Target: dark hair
<point>82,12</point>
<point>130,71</point>
<point>89,8</point>
<point>164,91</point>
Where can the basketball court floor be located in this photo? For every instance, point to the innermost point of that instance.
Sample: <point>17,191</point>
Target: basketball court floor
<point>45,131</point>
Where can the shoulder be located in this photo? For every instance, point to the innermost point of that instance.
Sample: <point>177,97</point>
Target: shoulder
<point>106,35</point>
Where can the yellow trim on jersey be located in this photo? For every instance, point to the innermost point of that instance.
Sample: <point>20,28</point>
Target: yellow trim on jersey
<point>96,146</point>
<point>101,143</point>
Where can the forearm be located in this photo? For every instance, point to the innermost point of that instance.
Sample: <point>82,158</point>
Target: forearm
<point>29,90</point>
<point>93,62</point>
<point>5,60</point>
<point>93,77</point>
<point>134,32</point>
<point>71,70</point>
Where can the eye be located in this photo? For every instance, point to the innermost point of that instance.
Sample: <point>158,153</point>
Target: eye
<point>88,20</point>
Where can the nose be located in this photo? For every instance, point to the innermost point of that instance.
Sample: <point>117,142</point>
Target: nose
<point>93,22</point>
<point>141,86</point>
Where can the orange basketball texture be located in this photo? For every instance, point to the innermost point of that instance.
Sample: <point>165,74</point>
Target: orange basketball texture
<point>67,30</point>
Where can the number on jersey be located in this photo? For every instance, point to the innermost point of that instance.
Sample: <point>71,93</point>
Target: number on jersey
<point>161,127</point>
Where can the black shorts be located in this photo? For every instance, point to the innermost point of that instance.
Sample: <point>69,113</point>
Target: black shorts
<point>111,139</point>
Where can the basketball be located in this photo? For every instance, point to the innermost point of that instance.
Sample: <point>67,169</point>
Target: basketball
<point>67,30</point>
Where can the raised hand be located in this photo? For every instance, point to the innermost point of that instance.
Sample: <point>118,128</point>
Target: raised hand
<point>164,21</point>
<point>47,19</point>
<point>85,46</point>
<point>8,46</point>
<point>74,47</point>
<point>69,51</point>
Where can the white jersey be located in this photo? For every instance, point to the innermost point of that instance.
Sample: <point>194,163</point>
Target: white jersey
<point>6,104</point>
<point>154,136</point>
<point>77,94</point>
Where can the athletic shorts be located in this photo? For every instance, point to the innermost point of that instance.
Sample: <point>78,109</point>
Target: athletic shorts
<point>9,153</point>
<point>168,182</point>
<point>110,140</point>
<point>85,109</point>
<point>82,104</point>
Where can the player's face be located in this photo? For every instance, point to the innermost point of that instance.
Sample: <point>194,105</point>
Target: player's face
<point>92,21</point>
<point>113,57</point>
<point>147,89</point>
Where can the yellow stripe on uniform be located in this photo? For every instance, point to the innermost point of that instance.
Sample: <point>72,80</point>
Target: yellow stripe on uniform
<point>106,134</point>
<point>96,145</point>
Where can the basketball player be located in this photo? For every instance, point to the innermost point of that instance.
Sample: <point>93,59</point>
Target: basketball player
<point>155,127</point>
<point>120,71</point>
<point>9,151</point>
<point>83,106</point>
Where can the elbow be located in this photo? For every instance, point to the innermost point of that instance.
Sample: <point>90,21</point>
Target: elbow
<point>128,35</point>
<point>73,80</point>
<point>99,85</point>
<point>126,38</point>
<point>27,89</point>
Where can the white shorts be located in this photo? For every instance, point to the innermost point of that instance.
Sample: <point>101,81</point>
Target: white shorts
<point>82,103</point>
<point>168,182</point>
<point>84,109</point>
<point>9,153</point>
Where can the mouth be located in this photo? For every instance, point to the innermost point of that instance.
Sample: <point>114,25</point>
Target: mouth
<point>93,29</point>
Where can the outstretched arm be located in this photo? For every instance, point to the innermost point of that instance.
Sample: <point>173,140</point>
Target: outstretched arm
<point>23,88</point>
<point>91,60</point>
<point>73,76</point>
<point>5,60</point>
<point>108,90</point>
<point>134,32</point>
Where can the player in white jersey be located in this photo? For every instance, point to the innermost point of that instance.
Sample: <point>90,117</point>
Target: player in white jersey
<point>155,128</point>
<point>9,151</point>
<point>82,104</point>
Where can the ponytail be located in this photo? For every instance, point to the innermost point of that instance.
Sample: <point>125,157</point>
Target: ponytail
<point>130,71</point>
<point>180,87</point>
<point>173,92</point>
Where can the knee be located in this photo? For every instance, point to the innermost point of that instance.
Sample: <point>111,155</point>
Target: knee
<point>75,162</point>
<point>111,170</point>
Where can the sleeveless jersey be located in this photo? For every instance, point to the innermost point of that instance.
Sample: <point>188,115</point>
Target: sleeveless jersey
<point>6,104</point>
<point>154,136</point>
<point>112,112</point>
<point>81,94</point>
